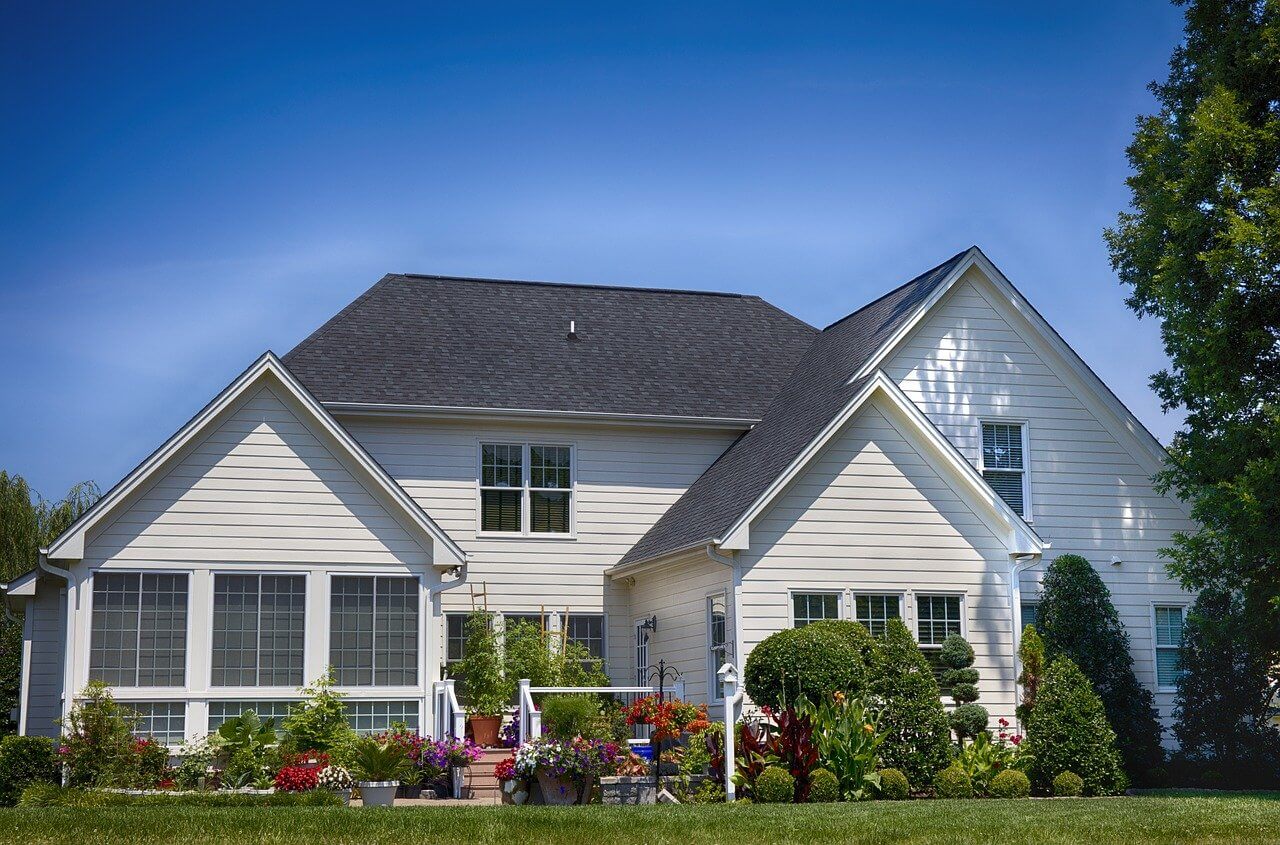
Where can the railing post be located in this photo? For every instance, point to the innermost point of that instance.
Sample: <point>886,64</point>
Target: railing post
<point>729,691</point>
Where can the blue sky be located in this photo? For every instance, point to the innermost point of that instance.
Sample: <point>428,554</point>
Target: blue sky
<point>182,188</point>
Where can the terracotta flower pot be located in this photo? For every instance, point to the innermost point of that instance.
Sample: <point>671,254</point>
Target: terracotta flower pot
<point>484,730</point>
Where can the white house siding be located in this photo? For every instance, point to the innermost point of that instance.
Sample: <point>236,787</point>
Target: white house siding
<point>677,594</point>
<point>45,616</point>
<point>262,491</point>
<point>972,360</point>
<point>871,514</point>
<point>626,476</point>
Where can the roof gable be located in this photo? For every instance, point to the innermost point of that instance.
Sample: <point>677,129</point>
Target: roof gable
<point>441,342</point>
<point>266,371</point>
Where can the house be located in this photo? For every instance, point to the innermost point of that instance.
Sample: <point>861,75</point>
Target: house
<point>659,474</point>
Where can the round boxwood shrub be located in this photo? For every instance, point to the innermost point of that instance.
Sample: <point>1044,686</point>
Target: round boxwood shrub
<point>775,785</point>
<point>1068,785</point>
<point>893,785</point>
<point>824,787</point>
<point>953,782</point>
<point>1010,783</point>
<point>25,760</point>
<point>1068,731</point>
<point>918,737</point>
<point>817,660</point>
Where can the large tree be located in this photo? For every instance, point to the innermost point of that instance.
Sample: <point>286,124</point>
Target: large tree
<point>27,523</point>
<point>1200,248</point>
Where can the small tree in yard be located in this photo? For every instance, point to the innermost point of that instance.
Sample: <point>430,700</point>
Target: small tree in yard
<point>1067,731</point>
<point>1079,621</point>
<point>918,742</point>
<point>968,719</point>
<point>1031,655</point>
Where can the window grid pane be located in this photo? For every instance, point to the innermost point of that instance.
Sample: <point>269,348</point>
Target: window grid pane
<point>814,607</point>
<point>373,638</point>
<point>875,611</point>
<point>221,711</point>
<point>371,717</point>
<point>164,721</point>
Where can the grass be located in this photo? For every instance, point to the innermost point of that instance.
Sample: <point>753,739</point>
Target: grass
<point>1253,818</point>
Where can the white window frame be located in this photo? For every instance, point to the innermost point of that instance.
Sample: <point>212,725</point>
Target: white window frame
<point>898,594</point>
<point>842,604</point>
<point>715,694</point>
<point>1025,426</point>
<point>526,490</point>
<point>1156,649</point>
<point>86,659</point>
<point>308,617</point>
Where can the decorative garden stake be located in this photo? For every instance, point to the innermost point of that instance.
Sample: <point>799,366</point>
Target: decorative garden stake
<point>660,673</point>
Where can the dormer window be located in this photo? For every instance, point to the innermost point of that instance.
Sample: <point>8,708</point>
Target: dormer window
<point>526,489</point>
<point>1004,463</point>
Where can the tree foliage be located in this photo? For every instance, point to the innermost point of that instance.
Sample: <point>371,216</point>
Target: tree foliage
<point>1079,621</point>
<point>1200,248</point>
<point>1223,707</point>
<point>28,523</point>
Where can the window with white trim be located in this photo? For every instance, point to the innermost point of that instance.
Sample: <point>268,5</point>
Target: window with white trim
<point>813,607</point>
<point>874,611</point>
<point>1004,463</point>
<point>526,489</point>
<point>937,617</point>
<point>717,643</point>
<point>1168,624</point>
<point>163,721</point>
<point>138,633</point>
<point>259,626</point>
<point>373,630</point>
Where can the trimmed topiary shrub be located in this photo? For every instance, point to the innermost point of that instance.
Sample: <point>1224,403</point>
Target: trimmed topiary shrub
<point>894,785</point>
<point>775,785</point>
<point>918,738</point>
<point>1068,785</point>
<point>25,760</point>
<point>968,719</point>
<point>824,787</point>
<point>1068,731</point>
<point>953,782</point>
<point>1078,620</point>
<point>819,659</point>
<point>1010,783</point>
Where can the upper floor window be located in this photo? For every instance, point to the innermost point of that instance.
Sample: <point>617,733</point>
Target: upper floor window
<point>138,635</point>
<point>1168,646</point>
<point>875,611</point>
<point>259,624</point>
<point>1004,464</point>
<point>526,489</point>
<point>813,607</point>
<point>373,630</point>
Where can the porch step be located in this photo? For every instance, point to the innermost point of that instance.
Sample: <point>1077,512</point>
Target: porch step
<point>480,780</point>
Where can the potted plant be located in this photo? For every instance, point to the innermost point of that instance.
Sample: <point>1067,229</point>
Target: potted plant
<point>484,688</point>
<point>337,780</point>
<point>380,766</point>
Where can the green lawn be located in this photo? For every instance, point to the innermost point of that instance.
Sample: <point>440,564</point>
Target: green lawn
<point>1240,818</point>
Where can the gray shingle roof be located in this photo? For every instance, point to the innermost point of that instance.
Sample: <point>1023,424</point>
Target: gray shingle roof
<point>812,396</point>
<point>477,343</point>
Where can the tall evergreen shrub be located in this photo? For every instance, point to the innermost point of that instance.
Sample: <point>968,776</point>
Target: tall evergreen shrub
<point>1067,731</point>
<point>901,682</point>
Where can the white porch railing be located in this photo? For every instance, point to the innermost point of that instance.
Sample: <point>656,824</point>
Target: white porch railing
<point>450,718</point>
<point>530,718</point>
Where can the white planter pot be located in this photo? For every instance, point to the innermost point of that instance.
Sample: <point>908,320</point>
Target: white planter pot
<point>378,793</point>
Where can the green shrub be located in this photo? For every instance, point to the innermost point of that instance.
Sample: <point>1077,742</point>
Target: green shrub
<point>775,786</point>
<point>48,795</point>
<point>918,738</point>
<point>1010,783</point>
<point>824,787</point>
<point>25,760</point>
<point>1078,620</point>
<point>1068,785</point>
<point>1068,731</point>
<point>894,785</point>
<point>819,659</point>
<point>569,716</point>
<point>961,680</point>
<point>953,782</point>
